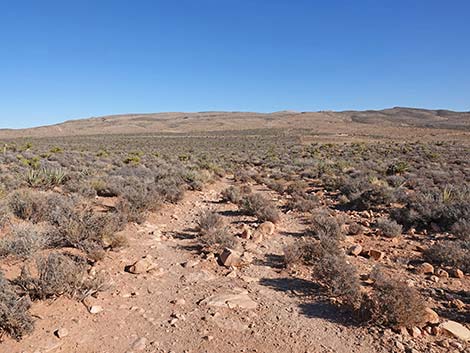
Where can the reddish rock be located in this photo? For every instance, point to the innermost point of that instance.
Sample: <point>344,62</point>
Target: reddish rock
<point>355,250</point>
<point>430,316</point>
<point>230,258</point>
<point>425,268</point>
<point>375,254</point>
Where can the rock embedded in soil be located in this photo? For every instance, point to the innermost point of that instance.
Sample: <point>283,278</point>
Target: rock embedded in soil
<point>374,254</point>
<point>61,332</point>
<point>245,232</point>
<point>139,344</point>
<point>230,258</point>
<point>239,300</point>
<point>143,265</point>
<point>355,250</point>
<point>425,268</point>
<point>430,316</point>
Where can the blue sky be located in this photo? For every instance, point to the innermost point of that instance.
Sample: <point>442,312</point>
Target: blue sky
<point>70,59</point>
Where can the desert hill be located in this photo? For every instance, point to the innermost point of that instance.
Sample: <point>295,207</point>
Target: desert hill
<point>322,122</point>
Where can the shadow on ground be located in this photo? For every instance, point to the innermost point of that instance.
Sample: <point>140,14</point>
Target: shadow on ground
<point>310,306</point>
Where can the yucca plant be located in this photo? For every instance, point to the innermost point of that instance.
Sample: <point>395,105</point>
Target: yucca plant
<point>34,178</point>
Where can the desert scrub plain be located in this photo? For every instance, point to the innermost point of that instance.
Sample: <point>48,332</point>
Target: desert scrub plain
<point>323,246</point>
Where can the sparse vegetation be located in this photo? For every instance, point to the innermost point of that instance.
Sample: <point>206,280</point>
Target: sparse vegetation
<point>259,206</point>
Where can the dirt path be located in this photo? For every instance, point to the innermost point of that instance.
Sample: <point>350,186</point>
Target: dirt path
<point>171,309</point>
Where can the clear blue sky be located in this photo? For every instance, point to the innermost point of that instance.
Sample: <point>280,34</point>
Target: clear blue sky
<point>68,59</point>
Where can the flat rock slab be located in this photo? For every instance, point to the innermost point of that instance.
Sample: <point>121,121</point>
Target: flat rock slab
<point>239,300</point>
<point>456,330</point>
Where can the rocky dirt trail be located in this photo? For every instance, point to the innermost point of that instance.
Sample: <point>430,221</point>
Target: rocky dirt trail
<point>189,303</point>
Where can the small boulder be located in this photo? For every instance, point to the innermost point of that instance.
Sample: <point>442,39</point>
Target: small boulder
<point>457,330</point>
<point>61,332</point>
<point>355,250</point>
<point>230,258</point>
<point>425,268</point>
<point>266,228</point>
<point>415,332</point>
<point>95,309</point>
<point>442,273</point>
<point>375,254</point>
<point>457,273</point>
<point>430,316</point>
<point>143,265</point>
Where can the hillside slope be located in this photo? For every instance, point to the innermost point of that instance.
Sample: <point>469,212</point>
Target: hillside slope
<point>179,122</point>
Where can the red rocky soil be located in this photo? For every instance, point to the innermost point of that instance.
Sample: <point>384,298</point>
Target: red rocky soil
<point>187,302</point>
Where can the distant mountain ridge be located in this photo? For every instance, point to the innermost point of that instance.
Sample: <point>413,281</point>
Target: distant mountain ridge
<point>180,122</point>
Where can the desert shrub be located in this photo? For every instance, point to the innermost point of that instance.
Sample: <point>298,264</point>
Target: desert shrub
<point>24,240</point>
<point>232,194</point>
<point>5,213</point>
<point>26,204</point>
<point>322,223</point>
<point>450,253</point>
<point>14,317</point>
<point>440,207</point>
<point>59,274</point>
<point>209,221</point>
<point>355,228</point>
<point>393,303</point>
<point>389,228</point>
<point>213,233</point>
<point>461,229</point>
<point>171,189</point>
<point>373,197</point>
<point>303,203</point>
<point>275,185</point>
<point>259,206</point>
<point>341,279</point>
<point>329,267</point>
<point>296,187</point>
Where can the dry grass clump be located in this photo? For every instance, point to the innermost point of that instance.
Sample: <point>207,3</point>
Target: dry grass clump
<point>389,228</point>
<point>259,206</point>
<point>214,235</point>
<point>59,274</point>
